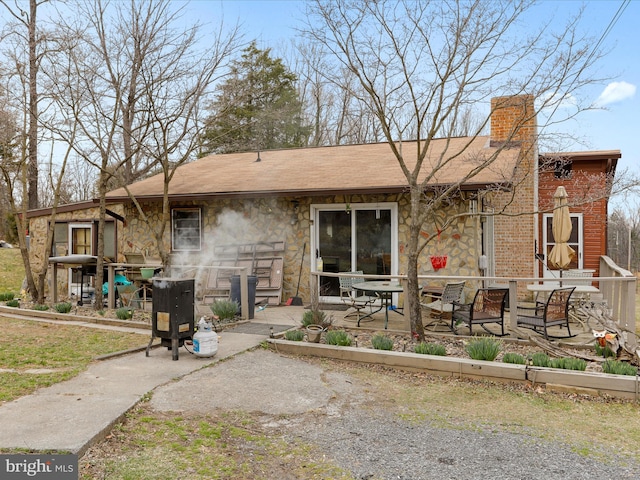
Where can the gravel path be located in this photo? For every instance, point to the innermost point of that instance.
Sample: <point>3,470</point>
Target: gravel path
<point>383,446</point>
<point>313,402</point>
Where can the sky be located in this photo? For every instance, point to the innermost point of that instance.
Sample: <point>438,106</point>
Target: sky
<point>614,126</point>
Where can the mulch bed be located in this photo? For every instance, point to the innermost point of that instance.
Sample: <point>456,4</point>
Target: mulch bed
<point>455,346</point>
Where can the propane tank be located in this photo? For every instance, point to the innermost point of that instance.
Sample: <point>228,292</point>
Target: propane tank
<point>205,340</point>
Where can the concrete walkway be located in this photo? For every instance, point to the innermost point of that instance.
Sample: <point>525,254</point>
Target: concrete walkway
<point>71,415</point>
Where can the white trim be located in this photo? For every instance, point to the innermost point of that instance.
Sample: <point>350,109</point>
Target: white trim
<point>74,288</point>
<point>552,273</point>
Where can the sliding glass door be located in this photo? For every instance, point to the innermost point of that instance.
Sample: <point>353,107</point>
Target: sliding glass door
<point>351,238</point>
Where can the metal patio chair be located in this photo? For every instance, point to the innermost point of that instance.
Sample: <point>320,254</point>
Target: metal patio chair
<point>553,312</point>
<point>487,307</point>
<point>352,297</point>
<point>442,308</point>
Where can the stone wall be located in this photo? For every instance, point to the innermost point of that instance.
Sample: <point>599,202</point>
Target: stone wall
<point>39,254</point>
<point>234,221</point>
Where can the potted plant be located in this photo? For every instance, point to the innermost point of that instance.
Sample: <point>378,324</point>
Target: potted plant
<point>315,322</point>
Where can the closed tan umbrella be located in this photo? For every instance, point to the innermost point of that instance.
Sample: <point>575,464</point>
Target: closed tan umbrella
<point>561,254</point>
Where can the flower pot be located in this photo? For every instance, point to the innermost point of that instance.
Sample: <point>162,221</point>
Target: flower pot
<point>314,332</point>
<point>147,273</point>
<point>438,261</point>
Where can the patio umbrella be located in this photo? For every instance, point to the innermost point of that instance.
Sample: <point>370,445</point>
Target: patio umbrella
<point>561,253</point>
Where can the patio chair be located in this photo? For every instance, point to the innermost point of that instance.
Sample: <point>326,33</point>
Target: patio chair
<point>442,308</point>
<point>130,295</point>
<point>352,297</point>
<point>487,307</point>
<point>553,312</point>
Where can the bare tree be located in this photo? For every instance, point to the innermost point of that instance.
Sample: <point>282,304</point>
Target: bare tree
<point>24,46</point>
<point>132,82</point>
<point>14,167</point>
<point>419,65</point>
<point>28,20</point>
<point>332,109</point>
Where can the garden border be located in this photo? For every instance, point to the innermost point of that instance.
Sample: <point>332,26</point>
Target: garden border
<point>589,383</point>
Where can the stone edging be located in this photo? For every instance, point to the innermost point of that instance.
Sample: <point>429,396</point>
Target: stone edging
<point>70,317</point>
<point>590,383</point>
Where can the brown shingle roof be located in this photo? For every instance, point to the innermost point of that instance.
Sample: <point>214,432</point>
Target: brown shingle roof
<point>323,170</point>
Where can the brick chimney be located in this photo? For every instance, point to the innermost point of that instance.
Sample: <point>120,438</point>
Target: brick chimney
<point>514,125</point>
<point>513,120</point>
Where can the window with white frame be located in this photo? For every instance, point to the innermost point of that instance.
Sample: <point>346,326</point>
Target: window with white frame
<point>186,227</point>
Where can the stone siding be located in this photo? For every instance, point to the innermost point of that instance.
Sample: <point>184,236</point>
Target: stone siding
<point>232,222</point>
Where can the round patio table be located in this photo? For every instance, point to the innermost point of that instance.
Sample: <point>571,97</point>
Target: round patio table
<point>384,289</point>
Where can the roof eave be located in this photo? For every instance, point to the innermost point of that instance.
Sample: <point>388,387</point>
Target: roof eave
<point>289,193</point>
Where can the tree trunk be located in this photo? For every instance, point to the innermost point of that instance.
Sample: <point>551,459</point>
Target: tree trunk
<point>102,188</point>
<point>33,109</point>
<point>413,253</point>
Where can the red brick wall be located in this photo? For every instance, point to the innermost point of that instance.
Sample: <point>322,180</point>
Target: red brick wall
<point>586,183</point>
<point>513,120</point>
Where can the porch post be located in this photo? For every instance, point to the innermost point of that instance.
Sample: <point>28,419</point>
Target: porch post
<point>53,278</point>
<point>630,310</point>
<point>111,271</point>
<point>513,305</point>
<point>244,294</point>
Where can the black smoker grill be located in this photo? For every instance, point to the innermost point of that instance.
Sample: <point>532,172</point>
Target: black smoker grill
<point>173,312</point>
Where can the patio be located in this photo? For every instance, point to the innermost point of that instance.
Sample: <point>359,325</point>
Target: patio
<point>292,315</point>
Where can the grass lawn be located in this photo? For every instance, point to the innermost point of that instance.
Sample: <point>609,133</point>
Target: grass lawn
<point>36,354</point>
<point>12,270</point>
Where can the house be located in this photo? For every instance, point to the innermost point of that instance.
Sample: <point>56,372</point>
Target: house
<point>345,208</point>
<point>586,176</point>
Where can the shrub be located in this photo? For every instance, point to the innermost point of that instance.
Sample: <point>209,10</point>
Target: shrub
<point>338,337</point>
<point>64,307</point>
<point>316,317</point>
<point>569,363</point>
<point>41,308</point>
<point>7,296</point>
<point>225,309</point>
<point>516,358</point>
<point>540,359</point>
<point>294,335</point>
<point>483,349</point>
<point>13,303</point>
<point>382,342</point>
<point>425,348</point>
<point>618,368</point>
<point>124,313</point>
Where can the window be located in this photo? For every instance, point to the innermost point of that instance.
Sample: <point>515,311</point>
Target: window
<point>185,229</point>
<point>358,237</point>
<point>562,169</point>
<point>83,238</point>
<point>576,241</point>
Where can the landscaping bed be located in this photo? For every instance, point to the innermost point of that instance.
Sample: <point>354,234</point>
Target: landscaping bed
<point>459,363</point>
<point>455,346</point>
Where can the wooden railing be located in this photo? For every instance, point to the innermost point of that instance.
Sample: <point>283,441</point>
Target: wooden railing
<point>618,286</point>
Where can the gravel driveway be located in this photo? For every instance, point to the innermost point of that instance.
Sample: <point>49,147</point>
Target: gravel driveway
<point>311,402</point>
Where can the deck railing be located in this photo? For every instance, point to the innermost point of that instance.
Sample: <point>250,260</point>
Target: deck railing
<point>618,286</point>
